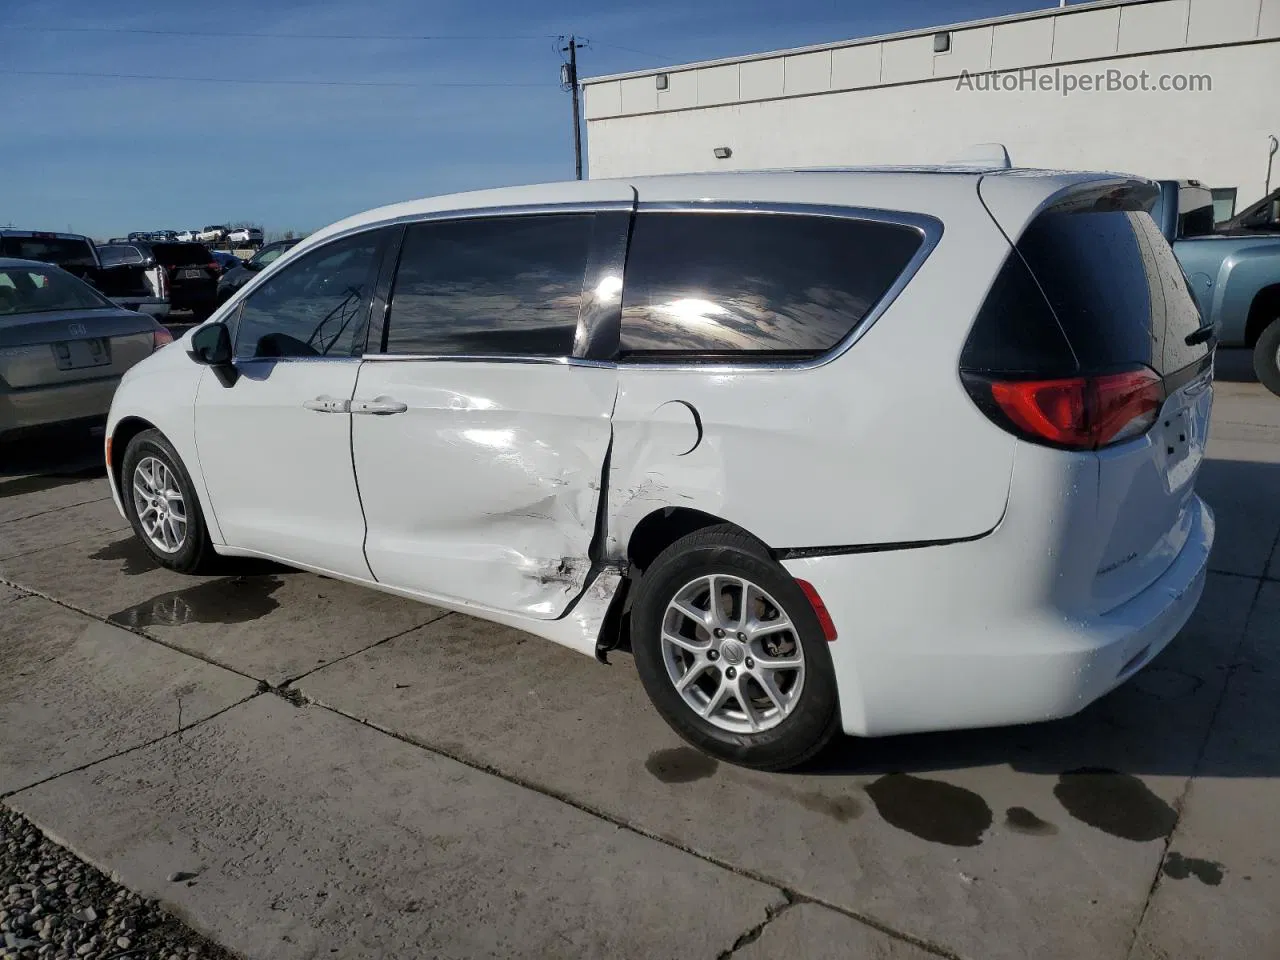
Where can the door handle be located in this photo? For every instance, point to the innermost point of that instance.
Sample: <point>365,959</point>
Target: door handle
<point>323,404</point>
<point>378,406</point>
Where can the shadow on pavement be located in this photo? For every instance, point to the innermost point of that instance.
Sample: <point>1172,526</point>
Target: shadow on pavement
<point>1158,721</point>
<point>67,453</point>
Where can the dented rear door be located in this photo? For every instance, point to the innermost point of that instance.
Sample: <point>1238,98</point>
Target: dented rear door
<point>481,428</point>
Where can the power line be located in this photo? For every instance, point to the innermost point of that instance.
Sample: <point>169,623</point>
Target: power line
<point>220,34</point>
<point>643,53</point>
<point>307,83</point>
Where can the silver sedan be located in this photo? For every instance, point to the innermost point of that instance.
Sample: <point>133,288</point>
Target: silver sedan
<point>63,347</point>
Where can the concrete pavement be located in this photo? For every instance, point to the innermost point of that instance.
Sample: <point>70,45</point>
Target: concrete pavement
<point>358,775</point>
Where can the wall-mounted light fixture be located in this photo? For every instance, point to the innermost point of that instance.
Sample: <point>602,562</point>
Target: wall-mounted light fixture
<point>660,81</point>
<point>722,153</point>
<point>942,43</point>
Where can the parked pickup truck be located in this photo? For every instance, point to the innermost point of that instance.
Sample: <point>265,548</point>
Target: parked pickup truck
<point>1235,278</point>
<point>123,285</point>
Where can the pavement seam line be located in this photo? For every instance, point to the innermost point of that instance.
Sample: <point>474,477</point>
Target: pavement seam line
<point>444,614</point>
<point>59,546</point>
<point>30,591</point>
<point>175,732</point>
<point>787,891</point>
<point>1180,801</point>
<point>45,513</point>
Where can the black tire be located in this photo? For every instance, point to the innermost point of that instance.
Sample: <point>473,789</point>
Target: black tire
<point>814,718</point>
<point>1266,358</point>
<point>196,553</point>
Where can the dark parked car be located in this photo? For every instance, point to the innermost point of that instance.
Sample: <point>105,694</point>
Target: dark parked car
<point>130,276</point>
<point>237,277</point>
<point>63,347</point>
<point>227,261</point>
<point>72,252</point>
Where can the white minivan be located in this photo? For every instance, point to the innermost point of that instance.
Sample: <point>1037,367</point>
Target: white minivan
<point>871,450</point>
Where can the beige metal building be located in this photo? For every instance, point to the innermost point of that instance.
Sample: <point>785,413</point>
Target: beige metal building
<point>1163,88</point>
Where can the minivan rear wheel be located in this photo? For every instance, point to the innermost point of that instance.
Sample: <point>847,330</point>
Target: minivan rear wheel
<point>1266,357</point>
<point>731,653</point>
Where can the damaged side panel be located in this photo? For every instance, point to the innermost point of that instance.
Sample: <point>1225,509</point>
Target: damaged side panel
<point>486,490</point>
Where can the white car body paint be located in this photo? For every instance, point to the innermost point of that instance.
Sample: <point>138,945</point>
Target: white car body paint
<point>497,482</point>
<point>296,495</point>
<point>1020,618</point>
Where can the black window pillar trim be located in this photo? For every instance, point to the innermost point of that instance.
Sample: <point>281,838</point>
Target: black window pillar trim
<point>600,313</point>
<point>379,306</point>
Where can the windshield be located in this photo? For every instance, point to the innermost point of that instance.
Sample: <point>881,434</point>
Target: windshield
<point>32,290</point>
<point>270,254</point>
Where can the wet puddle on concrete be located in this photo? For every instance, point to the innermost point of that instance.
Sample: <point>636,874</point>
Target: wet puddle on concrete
<point>931,809</point>
<point>1022,820</point>
<point>1116,803</point>
<point>230,600</point>
<point>680,765</point>
<point>1180,868</point>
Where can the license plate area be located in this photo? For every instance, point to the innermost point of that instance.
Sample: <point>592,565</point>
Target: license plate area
<point>78,354</point>
<point>191,274</point>
<point>1184,434</point>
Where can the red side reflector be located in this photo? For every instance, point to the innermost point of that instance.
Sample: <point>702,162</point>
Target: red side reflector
<point>1082,413</point>
<point>819,609</point>
<point>159,338</point>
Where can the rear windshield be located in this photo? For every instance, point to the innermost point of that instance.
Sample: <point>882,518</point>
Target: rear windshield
<point>42,291</point>
<point>1114,291</point>
<point>119,253</point>
<point>62,251</point>
<point>181,254</point>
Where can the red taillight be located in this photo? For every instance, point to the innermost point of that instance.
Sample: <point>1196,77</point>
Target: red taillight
<point>159,338</point>
<point>819,609</point>
<point>1081,413</point>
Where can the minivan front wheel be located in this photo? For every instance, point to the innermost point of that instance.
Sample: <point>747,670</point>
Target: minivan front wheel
<point>731,653</point>
<point>161,504</point>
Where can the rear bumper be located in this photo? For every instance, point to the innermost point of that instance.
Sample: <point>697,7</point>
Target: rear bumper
<point>940,638</point>
<point>43,406</point>
<point>151,306</point>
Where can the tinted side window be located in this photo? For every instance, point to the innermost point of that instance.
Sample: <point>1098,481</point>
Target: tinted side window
<point>317,306</point>
<point>725,284</point>
<point>507,285</point>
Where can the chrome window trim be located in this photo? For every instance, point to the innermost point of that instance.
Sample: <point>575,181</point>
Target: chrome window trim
<point>930,229</point>
<point>484,358</point>
<point>476,213</point>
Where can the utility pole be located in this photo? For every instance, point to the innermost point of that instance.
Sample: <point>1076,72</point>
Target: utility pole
<point>569,81</point>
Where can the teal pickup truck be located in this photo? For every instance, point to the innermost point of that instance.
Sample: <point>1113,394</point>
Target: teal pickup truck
<point>1233,269</point>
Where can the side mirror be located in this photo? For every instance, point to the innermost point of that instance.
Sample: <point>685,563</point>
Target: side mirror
<point>211,346</point>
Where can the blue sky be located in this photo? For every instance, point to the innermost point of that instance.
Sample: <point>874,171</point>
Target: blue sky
<point>109,155</point>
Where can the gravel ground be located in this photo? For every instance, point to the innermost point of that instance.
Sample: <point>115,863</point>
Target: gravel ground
<point>53,905</point>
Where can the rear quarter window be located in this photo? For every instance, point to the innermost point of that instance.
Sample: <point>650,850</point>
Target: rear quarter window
<point>1091,286</point>
<point>745,285</point>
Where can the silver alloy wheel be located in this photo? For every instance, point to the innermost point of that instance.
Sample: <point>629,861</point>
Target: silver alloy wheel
<point>158,502</point>
<point>732,653</point>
